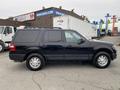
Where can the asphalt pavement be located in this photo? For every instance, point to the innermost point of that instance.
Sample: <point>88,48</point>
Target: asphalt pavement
<point>60,76</point>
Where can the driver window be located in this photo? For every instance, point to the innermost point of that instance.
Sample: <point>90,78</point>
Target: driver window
<point>8,30</point>
<point>72,37</point>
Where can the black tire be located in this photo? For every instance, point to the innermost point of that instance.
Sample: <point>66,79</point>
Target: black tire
<point>41,61</point>
<point>2,47</point>
<point>96,59</point>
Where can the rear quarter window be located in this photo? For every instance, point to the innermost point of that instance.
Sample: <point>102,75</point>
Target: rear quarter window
<point>24,36</point>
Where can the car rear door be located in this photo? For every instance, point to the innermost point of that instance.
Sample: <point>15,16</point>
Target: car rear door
<point>53,45</point>
<point>75,49</point>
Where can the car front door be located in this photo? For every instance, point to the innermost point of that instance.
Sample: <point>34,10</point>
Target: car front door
<point>76,47</point>
<point>7,34</point>
<point>53,45</point>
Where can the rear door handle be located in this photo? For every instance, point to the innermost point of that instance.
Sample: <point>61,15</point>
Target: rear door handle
<point>69,46</point>
<point>44,46</point>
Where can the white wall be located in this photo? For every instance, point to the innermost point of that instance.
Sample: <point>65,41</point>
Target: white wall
<point>68,22</point>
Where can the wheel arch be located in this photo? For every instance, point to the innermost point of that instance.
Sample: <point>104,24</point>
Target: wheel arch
<point>35,51</point>
<point>103,50</point>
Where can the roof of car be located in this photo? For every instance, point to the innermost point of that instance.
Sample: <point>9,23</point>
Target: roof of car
<point>45,29</point>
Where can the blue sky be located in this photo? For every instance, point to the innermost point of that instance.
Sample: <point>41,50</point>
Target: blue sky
<point>93,9</point>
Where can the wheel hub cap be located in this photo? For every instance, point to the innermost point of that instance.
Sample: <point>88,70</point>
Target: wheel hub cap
<point>102,60</point>
<point>35,62</point>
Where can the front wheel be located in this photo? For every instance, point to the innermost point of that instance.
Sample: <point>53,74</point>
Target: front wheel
<point>1,47</point>
<point>102,60</point>
<point>35,62</point>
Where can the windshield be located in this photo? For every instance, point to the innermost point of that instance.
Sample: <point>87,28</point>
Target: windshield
<point>1,29</point>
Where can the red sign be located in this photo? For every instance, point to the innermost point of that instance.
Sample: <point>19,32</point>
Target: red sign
<point>25,17</point>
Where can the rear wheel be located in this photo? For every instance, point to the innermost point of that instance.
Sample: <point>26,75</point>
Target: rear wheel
<point>102,60</point>
<point>35,62</point>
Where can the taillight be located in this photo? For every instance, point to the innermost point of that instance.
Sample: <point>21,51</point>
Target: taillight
<point>12,47</point>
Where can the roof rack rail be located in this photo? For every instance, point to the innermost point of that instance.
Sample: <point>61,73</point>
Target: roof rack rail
<point>43,28</point>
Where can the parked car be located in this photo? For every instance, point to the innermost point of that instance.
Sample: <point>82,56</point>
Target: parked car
<point>6,34</point>
<point>38,46</point>
<point>109,33</point>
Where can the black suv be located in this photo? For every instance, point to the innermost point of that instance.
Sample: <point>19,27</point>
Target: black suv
<point>37,46</point>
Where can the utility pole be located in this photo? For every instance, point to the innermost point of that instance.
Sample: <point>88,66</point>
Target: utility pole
<point>113,26</point>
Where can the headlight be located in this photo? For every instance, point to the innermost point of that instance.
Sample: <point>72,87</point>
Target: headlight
<point>114,47</point>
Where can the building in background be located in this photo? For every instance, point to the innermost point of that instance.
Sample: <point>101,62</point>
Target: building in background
<point>44,17</point>
<point>9,22</point>
<point>88,30</point>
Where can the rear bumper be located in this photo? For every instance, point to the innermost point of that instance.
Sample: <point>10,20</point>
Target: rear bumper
<point>17,57</point>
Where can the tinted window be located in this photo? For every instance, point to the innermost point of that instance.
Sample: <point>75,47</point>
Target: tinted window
<point>52,36</point>
<point>72,37</point>
<point>26,36</point>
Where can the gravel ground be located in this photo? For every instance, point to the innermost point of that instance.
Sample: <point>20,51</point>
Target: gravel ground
<point>68,76</point>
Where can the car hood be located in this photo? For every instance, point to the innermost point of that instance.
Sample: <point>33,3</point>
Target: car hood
<point>99,42</point>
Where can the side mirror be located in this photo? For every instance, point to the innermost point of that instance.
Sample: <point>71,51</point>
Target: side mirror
<point>81,41</point>
<point>12,37</point>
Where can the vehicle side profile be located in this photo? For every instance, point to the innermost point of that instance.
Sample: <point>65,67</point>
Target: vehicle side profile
<point>37,46</point>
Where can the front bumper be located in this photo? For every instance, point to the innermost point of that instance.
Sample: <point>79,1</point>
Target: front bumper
<point>114,56</point>
<point>114,53</point>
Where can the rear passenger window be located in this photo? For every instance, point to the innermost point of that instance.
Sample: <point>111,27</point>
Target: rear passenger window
<point>24,36</point>
<point>52,36</point>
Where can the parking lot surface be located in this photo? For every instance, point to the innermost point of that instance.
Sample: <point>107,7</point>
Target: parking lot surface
<point>60,76</point>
